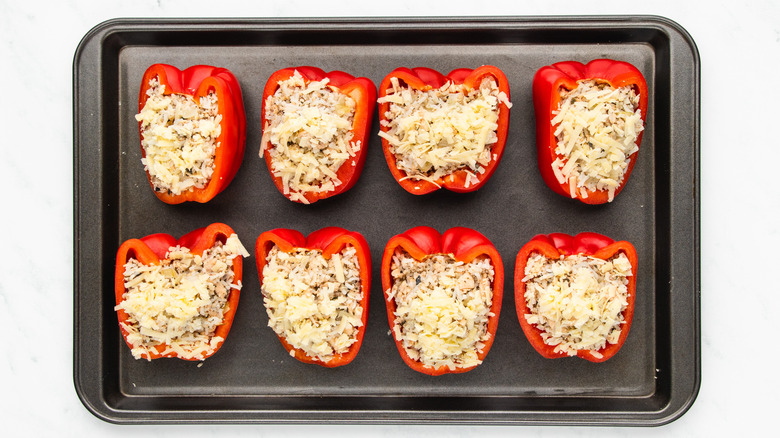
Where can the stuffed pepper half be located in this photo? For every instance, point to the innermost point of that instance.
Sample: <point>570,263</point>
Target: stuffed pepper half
<point>315,128</point>
<point>193,131</point>
<point>177,298</point>
<point>575,295</point>
<point>316,292</point>
<point>589,124</point>
<point>443,131</point>
<point>443,295</point>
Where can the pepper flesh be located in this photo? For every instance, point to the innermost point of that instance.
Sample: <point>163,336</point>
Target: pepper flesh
<point>362,91</point>
<point>424,79</point>
<point>152,249</point>
<point>329,240</point>
<point>464,244</point>
<point>547,84</point>
<point>554,246</point>
<point>197,81</point>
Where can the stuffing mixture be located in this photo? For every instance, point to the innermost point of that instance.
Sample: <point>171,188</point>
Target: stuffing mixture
<point>577,301</point>
<point>436,132</point>
<point>442,308</point>
<point>179,137</point>
<point>312,302</point>
<point>309,126</point>
<point>597,129</point>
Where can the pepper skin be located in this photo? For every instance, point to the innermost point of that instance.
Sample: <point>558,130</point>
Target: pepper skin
<point>422,78</point>
<point>465,245</point>
<point>197,81</point>
<point>362,91</point>
<point>152,249</point>
<point>554,246</point>
<point>547,84</point>
<point>329,240</point>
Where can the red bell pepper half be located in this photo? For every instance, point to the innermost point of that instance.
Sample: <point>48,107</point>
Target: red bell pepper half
<point>329,240</point>
<point>152,249</point>
<point>424,79</point>
<point>362,91</point>
<point>554,246</point>
<point>547,84</point>
<point>198,81</point>
<point>465,245</point>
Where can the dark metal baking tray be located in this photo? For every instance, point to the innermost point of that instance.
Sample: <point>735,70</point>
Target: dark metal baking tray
<point>653,380</point>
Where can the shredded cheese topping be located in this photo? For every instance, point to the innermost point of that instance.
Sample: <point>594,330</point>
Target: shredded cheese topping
<point>310,130</point>
<point>181,301</point>
<point>436,132</point>
<point>577,301</point>
<point>312,302</point>
<point>442,308</point>
<point>597,129</point>
<point>179,139</point>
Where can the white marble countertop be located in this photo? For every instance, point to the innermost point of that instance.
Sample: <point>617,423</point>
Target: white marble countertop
<point>739,45</point>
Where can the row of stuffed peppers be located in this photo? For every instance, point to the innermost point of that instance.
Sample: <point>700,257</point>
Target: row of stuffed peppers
<point>463,245</point>
<point>548,84</point>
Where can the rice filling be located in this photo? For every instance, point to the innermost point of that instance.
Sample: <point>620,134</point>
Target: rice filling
<point>577,301</point>
<point>312,302</point>
<point>597,127</point>
<point>309,127</point>
<point>433,133</point>
<point>179,138</point>
<point>181,301</point>
<point>442,308</point>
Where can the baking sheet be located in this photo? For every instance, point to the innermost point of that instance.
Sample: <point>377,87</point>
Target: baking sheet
<point>652,380</point>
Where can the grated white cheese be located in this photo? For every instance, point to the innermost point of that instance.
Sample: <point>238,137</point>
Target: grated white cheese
<point>434,133</point>
<point>314,303</point>
<point>179,137</point>
<point>597,128</point>
<point>577,301</point>
<point>180,302</point>
<point>442,308</point>
<point>309,127</point>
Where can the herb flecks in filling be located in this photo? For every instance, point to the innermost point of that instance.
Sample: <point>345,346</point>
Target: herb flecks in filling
<point>597,127</point>
<point>442,308</point>
<point>179,138</point>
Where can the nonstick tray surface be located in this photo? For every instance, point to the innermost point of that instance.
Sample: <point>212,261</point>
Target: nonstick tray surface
<point>652,380</point>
